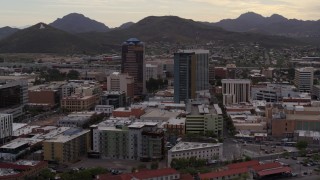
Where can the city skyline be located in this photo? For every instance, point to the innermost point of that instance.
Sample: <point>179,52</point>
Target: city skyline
<point>114,13</point>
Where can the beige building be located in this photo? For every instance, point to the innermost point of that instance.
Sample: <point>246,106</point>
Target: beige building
<point>68,146</point>
<point>236,90</point>
<point>79,103</point>
<point>121,82</point>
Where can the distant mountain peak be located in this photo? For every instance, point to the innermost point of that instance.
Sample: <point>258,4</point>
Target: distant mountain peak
<point>250,15</point>
<point>78,23</point>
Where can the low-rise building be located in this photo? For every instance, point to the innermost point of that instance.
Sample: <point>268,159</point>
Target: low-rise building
<point>208,151</point>
<point>67,147</point>
<point>77,119</point>
<point>159,115</point>
<point>105,109</point>
<point>128,112</point>
<point>175,126</point>
<point>114,98</point>
<point>225,174</point>
<point>79,102</point>
<point>21,169</point>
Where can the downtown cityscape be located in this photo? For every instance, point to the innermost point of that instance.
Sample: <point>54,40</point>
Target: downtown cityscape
<point>163,98</point>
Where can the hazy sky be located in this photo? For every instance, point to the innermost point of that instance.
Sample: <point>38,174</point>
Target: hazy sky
<point>115,12</point>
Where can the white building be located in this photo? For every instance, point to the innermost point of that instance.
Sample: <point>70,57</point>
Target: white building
<point>6,121</point>
<point>120,82</point>
<point>106,109</point>
<point>236,91</point>
<point>208,151</point>
<point>151,71</point>
<point>303,79</point>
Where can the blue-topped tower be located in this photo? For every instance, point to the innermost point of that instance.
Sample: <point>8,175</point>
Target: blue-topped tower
<point>133,63</point>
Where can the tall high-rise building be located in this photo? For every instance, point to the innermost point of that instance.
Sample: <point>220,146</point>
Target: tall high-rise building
<point>303,79</point>
<point>236,90</point>
<point>13,95</point>
<point>191,73</point>
<point>133,63</point>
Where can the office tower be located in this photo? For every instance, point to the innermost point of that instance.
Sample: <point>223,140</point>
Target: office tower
<point>191,73</point>
<point>121,82</point>
<point>133,63</point>
<point>235,91</point>
<point>13,95</point>
<point>303,79</point>
<point>6,121</point>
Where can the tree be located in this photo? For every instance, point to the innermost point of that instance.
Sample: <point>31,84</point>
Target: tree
<point>154,165</point>
<point>73,74</point>
<point>142,166</point>
<point>301,145</point>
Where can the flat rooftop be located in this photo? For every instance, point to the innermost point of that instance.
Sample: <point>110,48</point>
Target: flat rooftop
<point>7,172</point>
<point>139,125</point>
<point>68,135</point>
<point>303,117</point>
<point>196,51</point>
<point>160,113</point>
<point>176,121</point>
<point>184,146</point>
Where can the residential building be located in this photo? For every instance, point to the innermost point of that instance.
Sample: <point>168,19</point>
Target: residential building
<point>111,139</point>
<point>133,63</point>
<point>124,139</point>
<point>236,91</point>
<point>191,73</point>
<point>115,98</point>
<point>303,79</point>
<point>80,87</point>
<point>208,151</point>
<point>13,95</point>
<point>203,119</point>
<point>6,129</point>
<point>67,147</point>
<point>121,83</point>
<point>146,141</point>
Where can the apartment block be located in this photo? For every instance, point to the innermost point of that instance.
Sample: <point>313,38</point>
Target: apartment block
<point>235,91</point>
<point>67,147</point>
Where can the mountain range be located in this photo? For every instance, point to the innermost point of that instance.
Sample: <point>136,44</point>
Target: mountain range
<point>75,33</point>
<point>273,25</point>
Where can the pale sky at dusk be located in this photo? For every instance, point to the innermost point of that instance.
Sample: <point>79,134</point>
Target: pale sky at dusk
<point>115,12</point>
